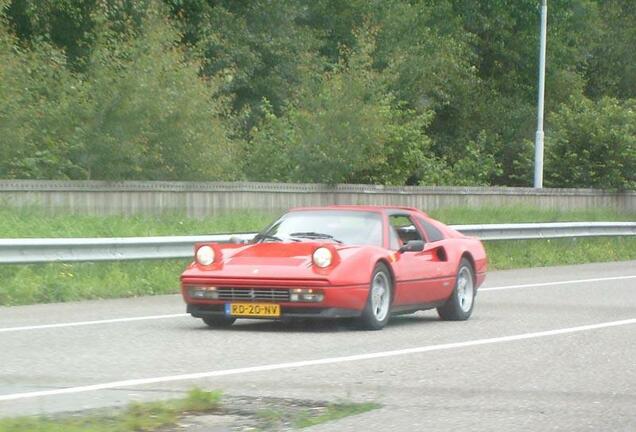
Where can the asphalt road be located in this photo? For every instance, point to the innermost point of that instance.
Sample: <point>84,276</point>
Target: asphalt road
<point>555,349</point>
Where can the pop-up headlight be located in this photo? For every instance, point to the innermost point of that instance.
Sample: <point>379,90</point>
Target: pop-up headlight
<point>322,257</point>
<point>205,255</point>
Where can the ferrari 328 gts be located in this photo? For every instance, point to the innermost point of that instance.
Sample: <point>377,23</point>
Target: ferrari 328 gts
<point>360,262</point>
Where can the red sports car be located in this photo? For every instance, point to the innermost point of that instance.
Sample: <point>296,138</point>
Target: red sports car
<point>360,262</point>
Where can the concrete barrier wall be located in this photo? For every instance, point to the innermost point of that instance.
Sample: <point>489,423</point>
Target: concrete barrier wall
<point>204,199</point>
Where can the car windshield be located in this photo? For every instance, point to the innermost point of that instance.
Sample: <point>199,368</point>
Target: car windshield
<point>341,226</point>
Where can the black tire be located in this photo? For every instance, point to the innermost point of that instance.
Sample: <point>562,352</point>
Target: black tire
<point>374,318</point>
<point>218,321</point>
<point>457,307</point>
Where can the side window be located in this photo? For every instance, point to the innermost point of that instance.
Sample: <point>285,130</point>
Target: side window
<point>432,232</point>
<point>402,230</point>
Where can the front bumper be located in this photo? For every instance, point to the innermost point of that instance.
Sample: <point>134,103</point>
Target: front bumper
<point>339,301</point>
<point>207,310</point>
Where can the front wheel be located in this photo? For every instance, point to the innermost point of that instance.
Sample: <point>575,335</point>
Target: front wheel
<point>218,321</point>
<point>460,304</point>
<point>376,313</point>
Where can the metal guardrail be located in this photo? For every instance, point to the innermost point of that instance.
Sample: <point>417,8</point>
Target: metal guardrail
<point>528,231</point>
<point>24,251</point>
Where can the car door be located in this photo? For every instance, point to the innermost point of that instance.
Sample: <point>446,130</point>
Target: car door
<point>442,271</point>
<point>420,276</point>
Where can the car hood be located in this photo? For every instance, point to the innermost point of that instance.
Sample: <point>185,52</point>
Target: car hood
<point>273,260</point>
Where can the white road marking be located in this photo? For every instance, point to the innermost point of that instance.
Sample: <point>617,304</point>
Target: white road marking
<point>85,323</point>
<point>324,361</point>
<point>181,315</point>
<point>567,282</point>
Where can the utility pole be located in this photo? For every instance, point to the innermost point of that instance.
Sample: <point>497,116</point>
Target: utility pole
<point>538,141</point>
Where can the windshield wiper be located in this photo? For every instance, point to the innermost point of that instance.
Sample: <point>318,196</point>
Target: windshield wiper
<point>314,235</point>
<point>264,236</point>
<point>258,237</point>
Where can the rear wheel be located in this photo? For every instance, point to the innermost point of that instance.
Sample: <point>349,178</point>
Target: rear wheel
<point>376,313</point>
<point>218,321</point>
<point>459,306</point>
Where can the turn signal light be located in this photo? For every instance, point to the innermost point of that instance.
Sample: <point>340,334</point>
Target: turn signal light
<point>203,292</point>
<point>306,295</point>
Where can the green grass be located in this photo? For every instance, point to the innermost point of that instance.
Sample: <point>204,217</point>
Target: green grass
<point>48,283</point>
<point>271,416</point>
<point>276,417</point>
<point>520,214</point>
<point>551,252</point>
<point>45,283</point>
<point>334,412</point>
<point>35,223</point>
<point>138,417</point>
<point>164,416</point>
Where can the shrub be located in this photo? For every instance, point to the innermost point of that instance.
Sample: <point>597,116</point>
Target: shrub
<point>592,144</point>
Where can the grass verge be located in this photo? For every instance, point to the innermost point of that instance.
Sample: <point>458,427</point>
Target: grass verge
<point>521,214</point>
<point>141,417</point>
<point>285,417</point>
<point>45,283</point>
<point>512,254</point>
<point>49,283</point>
<point>35,223</point>
<point>334,412</point>
<point>258,414</point>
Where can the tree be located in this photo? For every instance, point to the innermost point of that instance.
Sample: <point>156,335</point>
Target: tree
<point>593,144</point>
<point>440,91</point>
<point>343,127</point>
<point>139,110</point>
<point>610,69</point>
<point>36,91</point>
<point>175,134</point>
<point>257,46</point>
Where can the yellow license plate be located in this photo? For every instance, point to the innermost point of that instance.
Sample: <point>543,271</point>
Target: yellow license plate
<point>252,309</point>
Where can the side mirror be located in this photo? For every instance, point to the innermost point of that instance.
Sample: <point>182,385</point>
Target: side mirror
<point>412,246</point>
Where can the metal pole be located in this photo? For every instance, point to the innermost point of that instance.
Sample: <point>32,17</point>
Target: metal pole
<point>538,141</point>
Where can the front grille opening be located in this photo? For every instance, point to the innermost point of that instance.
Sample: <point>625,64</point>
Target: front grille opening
<point>253,294</point>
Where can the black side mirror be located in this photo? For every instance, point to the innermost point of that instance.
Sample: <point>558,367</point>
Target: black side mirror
<point>412,246</point>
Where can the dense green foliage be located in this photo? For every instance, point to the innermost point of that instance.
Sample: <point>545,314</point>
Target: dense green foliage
<point>588,135</point>
<point>381,91</point>
<point>138,110</point>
